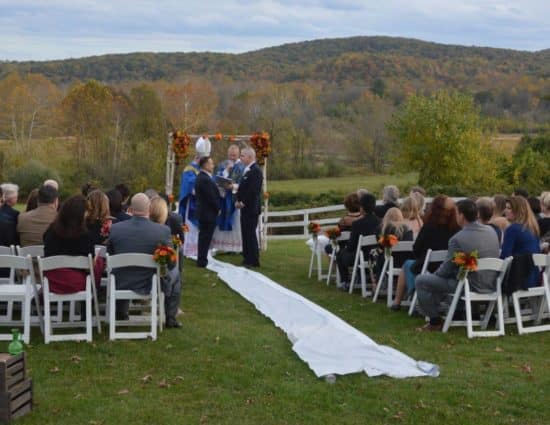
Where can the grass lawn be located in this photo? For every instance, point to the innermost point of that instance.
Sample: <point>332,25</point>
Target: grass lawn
<point>345,184</point>
<point>230,365</point>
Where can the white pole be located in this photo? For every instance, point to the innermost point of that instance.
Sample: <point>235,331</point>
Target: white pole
<point>170,158</point>
<point>266,205</point>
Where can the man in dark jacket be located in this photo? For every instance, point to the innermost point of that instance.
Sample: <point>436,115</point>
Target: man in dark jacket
<point>369,224</point>
<point>249,202</point>
<point>207,196</point>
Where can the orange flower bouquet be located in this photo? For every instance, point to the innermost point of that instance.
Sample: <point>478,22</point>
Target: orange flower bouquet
<point>164,256</point>
<point>314,228</point>
<point>185,228</point>
<point>333,233</point>
<point>388,242</point>
<point>466,262</point>
<point>176,241</point>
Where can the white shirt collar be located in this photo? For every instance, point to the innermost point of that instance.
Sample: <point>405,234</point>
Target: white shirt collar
<point>248,167</point>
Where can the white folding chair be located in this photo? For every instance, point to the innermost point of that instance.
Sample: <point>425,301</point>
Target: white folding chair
<point>344,237</point>
<point>113,294</point>
<point>316,258</point>
<point>10,279</point>
<point>542,293</point>
<point>89,293</point>
<point>23,293</point>
<point>388,271</point>
<point>493,298</point>
<point>431,257</point>
<point>361,263</point>
<point>33,250</point>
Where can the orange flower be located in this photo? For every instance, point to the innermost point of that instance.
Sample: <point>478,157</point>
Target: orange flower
<point>266,195</point>
<point>218,136</point>
<point>231,138</point>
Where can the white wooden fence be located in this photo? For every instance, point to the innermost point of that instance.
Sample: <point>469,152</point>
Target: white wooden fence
<point>304,218</point>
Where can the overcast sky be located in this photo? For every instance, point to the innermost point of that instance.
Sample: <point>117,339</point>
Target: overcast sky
<point>58,29</point>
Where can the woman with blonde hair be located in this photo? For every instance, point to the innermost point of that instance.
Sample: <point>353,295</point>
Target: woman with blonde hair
<point>522,236</point>
<point>411,214</point>
<point>98,217</point>
<point>158,210</point>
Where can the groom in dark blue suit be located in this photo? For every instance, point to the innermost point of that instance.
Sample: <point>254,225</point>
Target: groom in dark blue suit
<point>208,208</point>
<point>249,202</point>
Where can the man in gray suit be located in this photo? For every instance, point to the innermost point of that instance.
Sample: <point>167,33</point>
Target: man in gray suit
<point>139,235</point>
<point>431,289</point>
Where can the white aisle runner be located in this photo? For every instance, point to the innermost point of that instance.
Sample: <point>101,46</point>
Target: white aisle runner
<point>324,341</point>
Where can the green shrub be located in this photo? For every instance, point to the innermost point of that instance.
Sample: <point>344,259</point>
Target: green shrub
<point>31,175</point>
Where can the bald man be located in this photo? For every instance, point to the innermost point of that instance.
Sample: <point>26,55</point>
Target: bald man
<point>139,235</point>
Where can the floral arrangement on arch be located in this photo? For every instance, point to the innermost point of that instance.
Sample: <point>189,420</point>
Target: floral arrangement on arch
<point>180,145</point>
<point>261,143</point>
<point>466,262</point>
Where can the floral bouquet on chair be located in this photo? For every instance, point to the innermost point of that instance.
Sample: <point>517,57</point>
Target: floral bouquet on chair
<point>387,242</point>
<point>314,228</point>
<point>164,256</point>
<point>466,262</point>
<point>333,234</point>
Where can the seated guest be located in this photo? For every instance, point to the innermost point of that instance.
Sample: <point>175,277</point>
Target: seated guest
<point>171,283</point>
<point>115,206</point>
<point>32,200</point>
<point>98,217</point>
<point>353,212</point>
<point>433,288</point>
<point>87,188</point>
<point>68,235</point>
<point>544,219</point>
<point>485,209</point>
<point>9,215</point>
<point>498,218</point>
<point>411,214</point>
<point>137,235</point>
<point>51,182</point>
<point>534,204</point>
<point>439,226</point>
<point>32,225</point>
<point>174,221</point>
<point>125,192</point>
<point>390,199</point>
<point>519,191</point>
<point>522,236</point>
<point>394,224</point>
<point>367,225</point>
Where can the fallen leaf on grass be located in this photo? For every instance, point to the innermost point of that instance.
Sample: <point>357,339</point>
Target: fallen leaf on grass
<point>386,409</point>
<point>123,392</point>
<point>500,393</point>
<point>526,368</point>
<point>96,422</point>
<point>77,396</point>
<point>499,350</point>
<point>178,378</point>
<point>398,416</point>
<point>146,378</point>
<point>76,359</point>
<point>217,339</point>
<point>54,369</point>
<point>420,405</point>
<point>249,401</point>
<point>163,383</point>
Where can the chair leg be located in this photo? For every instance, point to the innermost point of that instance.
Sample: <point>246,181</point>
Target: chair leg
<point>517,311</point>
<point>154,313</point>
<point>311,263</point>
<point>47,318</point>
<point>452,307</point>
<point>380,281</point>
<point>112,311</point>
<point>89,314</point>
<point>488,314</point>
<point>319,266</point>
<point>468,302</point>
<point>500,313</point>
<point>413,304</point>
<point>330,265</point>
<point>26,316</point>
<point>363,280</point>
<point>389,296</point>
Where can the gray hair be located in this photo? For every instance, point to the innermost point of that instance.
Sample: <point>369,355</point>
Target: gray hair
<point>9,190</point>
<point>151,193</point>
<point>52,183</point>
<point>249,151</point>
<point>391,194</point>
<point>361,192</point>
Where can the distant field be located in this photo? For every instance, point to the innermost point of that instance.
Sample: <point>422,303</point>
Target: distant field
<point>343,184</point>
<point>506,142</point>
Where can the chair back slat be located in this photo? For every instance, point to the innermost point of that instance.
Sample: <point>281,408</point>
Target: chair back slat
<point>130,260</point>
<point>100,251</point>
<point>65,261</point>
<point>403,246</point>
<point>494,264</point>
<point>14,262</point>
<point>6,250</point>
<point>344,236</point>
<point>367,240</point>
<point>32,250</point>
<point>541,260</point>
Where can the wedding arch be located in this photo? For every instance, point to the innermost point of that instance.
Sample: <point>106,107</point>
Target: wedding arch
<point>180,148</point>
